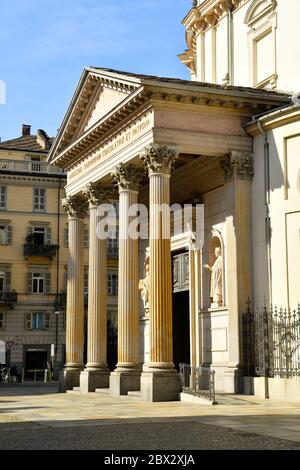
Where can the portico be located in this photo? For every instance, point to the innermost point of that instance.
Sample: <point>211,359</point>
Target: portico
<point>158,141</point>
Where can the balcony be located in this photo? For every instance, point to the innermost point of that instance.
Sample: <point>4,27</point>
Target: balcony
<point>62,299</point>
<point>8,298</point>
<point>32,249</point>
<point>20,166</point>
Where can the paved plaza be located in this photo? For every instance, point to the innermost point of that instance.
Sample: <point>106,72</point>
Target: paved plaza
<point>37,417</point>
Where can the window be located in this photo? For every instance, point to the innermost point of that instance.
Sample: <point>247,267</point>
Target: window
<point>112,283</point>
<point>37,321</point>
<point>40,235</point>
<point>112,245</point>
<point>2,321</point>
<point>66,237</point>
<point>2,281</point>
<point>39,199</point>
<point>38,283</point>
<point>5,234</point>
<point>5,280</point>
<point>3,198</point>
<point>261,19</point>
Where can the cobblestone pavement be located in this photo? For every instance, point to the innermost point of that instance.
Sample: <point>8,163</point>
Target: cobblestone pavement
<point>39,418</point>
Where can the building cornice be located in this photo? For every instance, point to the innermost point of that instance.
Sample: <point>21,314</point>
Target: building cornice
<point>273,120</point>
<point>199,19</point>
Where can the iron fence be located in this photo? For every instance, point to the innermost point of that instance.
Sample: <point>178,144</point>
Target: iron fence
<point>198,381</point>
<point>272,342</point>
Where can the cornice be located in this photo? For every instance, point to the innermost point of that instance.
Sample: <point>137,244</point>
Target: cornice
<point>202,17</point>
<point>31,180</point>
<point>273,120</point>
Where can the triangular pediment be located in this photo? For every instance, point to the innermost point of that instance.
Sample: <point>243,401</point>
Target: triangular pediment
<point>96,95</point>
<point>104,99</point>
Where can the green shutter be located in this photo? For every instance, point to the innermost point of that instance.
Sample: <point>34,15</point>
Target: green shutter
<point>7,281</point>
<point>28,321</point>
<point>29,282</point>
<point>66,237</point>
<point>47,321</point>
<point>48,236</point>
<point>47,278</point>
<point>29,229</point>
<point>9,235</point>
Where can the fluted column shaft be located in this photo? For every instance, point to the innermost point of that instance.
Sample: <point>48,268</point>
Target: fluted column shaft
<point>97,296</point>
<point>75,296</point>
<point>159,160</point>
<point>128,316</point>
<point>160,301</point>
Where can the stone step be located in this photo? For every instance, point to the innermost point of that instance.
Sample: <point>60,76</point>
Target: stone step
<point>76,389</point>
<point>134,393</point>
<point>106,391</point>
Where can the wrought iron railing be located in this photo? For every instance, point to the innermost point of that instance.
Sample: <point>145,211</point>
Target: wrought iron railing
<point>198,381</point>
<point>39,250</point>
<point>8,297</point>
<point>272,342</point>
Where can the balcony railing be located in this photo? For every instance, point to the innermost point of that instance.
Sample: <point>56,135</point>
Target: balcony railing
<point>62,299</point>
<point>19,166</point>
<point>8,297</point>
<point>31,249</point>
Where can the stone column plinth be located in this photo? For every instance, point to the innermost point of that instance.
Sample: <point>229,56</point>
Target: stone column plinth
<point>75,208</point>
<point>160,381</point>
<point>238,169</point>
<point>126,376</point>
<point>96,373</point>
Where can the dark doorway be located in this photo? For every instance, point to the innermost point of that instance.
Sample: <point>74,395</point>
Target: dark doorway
<point>181,328</point>
<point>112,342</point>
<point>35,360</point>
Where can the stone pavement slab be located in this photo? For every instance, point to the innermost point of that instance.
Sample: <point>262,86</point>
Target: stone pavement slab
<point>40,418</point>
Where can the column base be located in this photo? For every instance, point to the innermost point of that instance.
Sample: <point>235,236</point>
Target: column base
<point>160,386</point>
<point>68,379</point>
<point>120,383</point>
<point>90,379</point>
<point>233,380</point>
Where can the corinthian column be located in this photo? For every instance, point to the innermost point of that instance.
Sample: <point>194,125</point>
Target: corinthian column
<point>96,373</point>
<point>126,376</point>
<point>160,382</point>
<point>238,171</point>
<point>75,208</point>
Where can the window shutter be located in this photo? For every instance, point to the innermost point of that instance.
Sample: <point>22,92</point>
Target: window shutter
<point>9,234</point>
<point>86,237</point>
<point>7,281</point>
<point>66,237</point>
<point>48,236</point>
<point>28,321</point>
<point>47,277</point>
<point>29,282</point>
<point>29,229</point>
<point>47,321</point>
<point>65,279</point>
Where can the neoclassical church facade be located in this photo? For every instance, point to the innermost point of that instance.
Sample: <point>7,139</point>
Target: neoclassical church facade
<point>229,140</point>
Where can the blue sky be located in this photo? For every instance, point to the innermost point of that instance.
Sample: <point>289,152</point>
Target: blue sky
<point>45,44</point>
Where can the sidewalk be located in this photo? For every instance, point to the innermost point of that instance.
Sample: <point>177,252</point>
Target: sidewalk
<point>236,422</point>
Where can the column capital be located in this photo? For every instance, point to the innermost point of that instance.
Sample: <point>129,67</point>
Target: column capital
<point>97,194</point>
<point>160,158</point>
<point>128,176</point>
<point>238,165</point>
<point>75,206</point>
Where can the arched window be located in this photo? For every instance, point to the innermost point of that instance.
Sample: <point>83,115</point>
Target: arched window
<point>261,19</point>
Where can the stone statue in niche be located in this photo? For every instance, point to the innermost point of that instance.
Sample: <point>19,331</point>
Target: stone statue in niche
<point>216,282</point>
<point>144,284</point>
